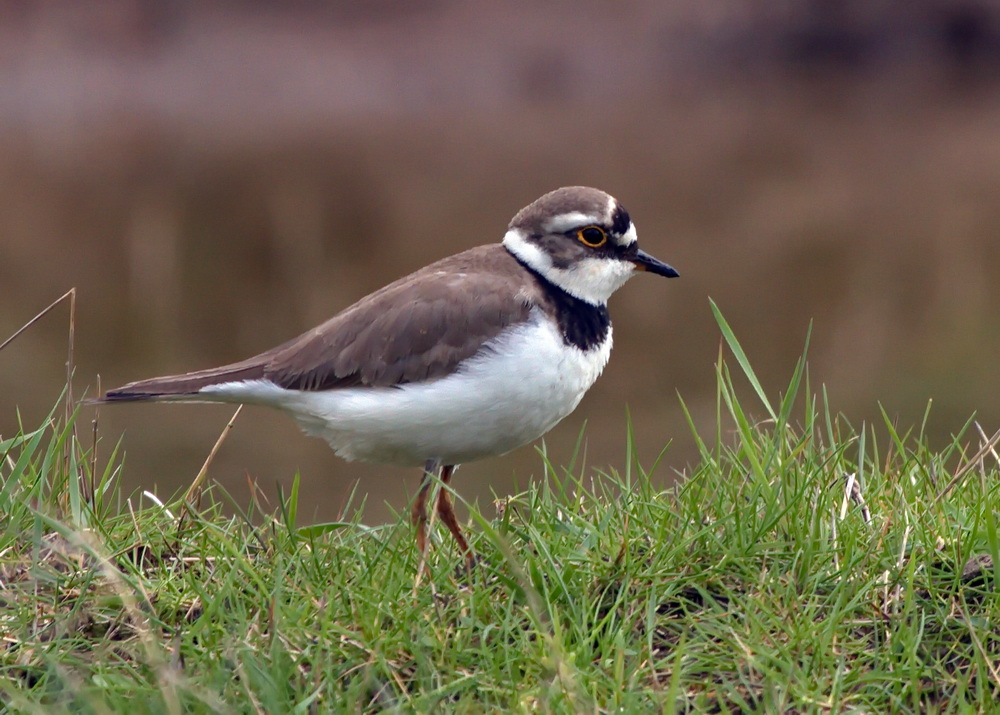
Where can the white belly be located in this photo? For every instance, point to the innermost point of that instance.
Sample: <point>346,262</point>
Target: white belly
<point>509,394</point>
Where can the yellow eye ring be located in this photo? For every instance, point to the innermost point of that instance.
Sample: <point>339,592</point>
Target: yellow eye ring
<point>592,236</point>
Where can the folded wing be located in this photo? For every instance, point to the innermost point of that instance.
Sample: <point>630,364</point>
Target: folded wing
<point>418,328</point>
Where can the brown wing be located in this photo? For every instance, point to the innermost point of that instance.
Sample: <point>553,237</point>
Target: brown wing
<point>417,328</point>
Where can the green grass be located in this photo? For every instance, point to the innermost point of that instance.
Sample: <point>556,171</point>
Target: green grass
<point>755,584</point>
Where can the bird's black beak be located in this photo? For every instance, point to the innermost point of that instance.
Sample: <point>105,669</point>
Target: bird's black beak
<point>645,262</point>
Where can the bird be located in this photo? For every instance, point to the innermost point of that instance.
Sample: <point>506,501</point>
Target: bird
<point>467,358</point>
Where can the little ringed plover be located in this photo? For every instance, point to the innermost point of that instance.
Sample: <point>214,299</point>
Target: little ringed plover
<point>469,357</point>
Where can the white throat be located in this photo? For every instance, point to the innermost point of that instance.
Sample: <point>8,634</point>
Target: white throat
<point>592,279</point>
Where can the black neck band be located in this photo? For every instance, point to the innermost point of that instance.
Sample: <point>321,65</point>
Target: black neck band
<point>581,323</point>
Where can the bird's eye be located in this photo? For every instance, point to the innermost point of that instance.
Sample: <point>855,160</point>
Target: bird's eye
<point>592,236</point>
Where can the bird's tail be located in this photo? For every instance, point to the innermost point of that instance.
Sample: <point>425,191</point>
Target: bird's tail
<point>186,386</point>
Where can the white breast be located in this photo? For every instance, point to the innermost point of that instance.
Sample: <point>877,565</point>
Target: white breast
<point>512,392</point>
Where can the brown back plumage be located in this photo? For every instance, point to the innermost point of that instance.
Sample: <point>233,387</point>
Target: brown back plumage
<point>417,328</point>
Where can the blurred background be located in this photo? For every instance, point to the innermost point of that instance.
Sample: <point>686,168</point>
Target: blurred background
<point>215,178</point>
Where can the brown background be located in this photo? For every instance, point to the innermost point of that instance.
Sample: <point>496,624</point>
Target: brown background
<point>216,180</point>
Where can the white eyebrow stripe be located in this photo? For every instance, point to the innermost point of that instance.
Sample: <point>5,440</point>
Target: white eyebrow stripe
<point>612,207</point>
<point>630,236</point>
<point>574,219</point>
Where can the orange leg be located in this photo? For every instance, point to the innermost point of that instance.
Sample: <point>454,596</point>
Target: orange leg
<point>418,514</point>
<point>447,513</point>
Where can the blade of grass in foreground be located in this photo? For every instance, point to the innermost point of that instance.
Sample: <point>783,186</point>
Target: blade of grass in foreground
<point>741,358</point>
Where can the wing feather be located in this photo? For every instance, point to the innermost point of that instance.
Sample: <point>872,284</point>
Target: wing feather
<point>422,329</point>
<point>418,328</point>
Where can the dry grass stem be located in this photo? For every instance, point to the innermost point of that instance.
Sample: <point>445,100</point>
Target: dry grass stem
<point>194,491</point>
